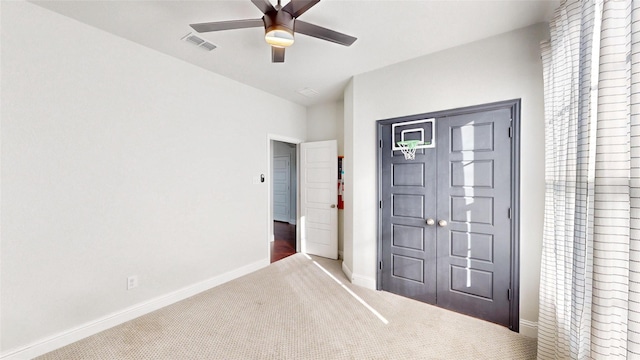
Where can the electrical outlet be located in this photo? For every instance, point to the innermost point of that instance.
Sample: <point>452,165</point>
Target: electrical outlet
<point>132,282</point>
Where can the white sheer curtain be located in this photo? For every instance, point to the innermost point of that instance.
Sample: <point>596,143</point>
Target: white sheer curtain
<point>590,276</point>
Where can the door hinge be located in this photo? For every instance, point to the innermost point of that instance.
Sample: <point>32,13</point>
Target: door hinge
<point>381,204</point>
<point>509,294</point>
<point>509,213</point>
<point>510,131</point>
<point>380,265</point>
<point>380,144</point>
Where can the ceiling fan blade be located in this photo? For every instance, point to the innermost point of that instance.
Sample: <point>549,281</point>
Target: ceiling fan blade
<point>227,25</point>
<point>277,54</point>
<point>323,33</point>
<point>298,7</point>
<point>264,5</point>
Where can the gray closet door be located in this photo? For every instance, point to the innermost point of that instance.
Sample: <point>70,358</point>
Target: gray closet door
<point>409,197</point>
<point>474,196</point>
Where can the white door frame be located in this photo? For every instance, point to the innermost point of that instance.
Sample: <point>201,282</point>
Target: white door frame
<point>290,140</point>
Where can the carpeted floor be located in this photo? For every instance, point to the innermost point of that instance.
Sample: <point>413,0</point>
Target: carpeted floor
<point>293,309</point>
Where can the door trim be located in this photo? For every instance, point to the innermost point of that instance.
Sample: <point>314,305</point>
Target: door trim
<point>514,106</point>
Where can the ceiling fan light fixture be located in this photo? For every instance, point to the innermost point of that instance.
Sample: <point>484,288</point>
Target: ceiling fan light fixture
<point>279,36</point>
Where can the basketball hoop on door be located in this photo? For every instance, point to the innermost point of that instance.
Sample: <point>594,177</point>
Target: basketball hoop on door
<point>408,148</point>
<point>410,136</point>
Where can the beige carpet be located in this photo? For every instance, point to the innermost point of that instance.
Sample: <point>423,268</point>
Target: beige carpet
<point>293,310</point>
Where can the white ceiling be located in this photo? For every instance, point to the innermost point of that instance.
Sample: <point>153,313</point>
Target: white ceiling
<point>388,32</point>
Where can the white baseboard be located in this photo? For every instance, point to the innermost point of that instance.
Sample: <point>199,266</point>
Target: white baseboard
<point>67,337</point>
<point>359,280</point>
<point>529,328</point>
<point>364,281</point>
<point>347,272</point>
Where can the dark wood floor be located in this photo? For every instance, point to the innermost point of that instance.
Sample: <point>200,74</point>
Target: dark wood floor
<point>285,240</point>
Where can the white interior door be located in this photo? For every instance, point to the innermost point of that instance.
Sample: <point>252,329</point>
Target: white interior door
<point>281,188</point>
<point>318,198</point>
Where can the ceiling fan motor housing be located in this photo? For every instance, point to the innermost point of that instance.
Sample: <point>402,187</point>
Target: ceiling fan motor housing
<point>278,20</point>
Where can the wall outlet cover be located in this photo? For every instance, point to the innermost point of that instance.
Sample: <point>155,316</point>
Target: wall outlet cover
<point>132,282</point>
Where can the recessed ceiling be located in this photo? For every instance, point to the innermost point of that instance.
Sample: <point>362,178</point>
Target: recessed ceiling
<point>388,32</point>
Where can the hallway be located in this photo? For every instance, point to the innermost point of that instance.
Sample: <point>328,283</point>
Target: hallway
<point>284,243</point>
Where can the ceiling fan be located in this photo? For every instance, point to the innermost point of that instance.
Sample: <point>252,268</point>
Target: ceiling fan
<point>280,23</point>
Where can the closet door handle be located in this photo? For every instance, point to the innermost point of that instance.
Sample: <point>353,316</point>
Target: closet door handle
<point>442,223</point>
<point>430,222</point>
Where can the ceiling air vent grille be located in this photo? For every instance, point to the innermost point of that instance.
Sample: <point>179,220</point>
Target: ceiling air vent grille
<point>207,45</point>
<point>198,41</point>
<point>308,92</point>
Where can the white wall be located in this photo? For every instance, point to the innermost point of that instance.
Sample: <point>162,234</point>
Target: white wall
<point>500,68</point>
<point>347,165</point>
<point>281,149</point>
<point>326,122</point>
<point>115,161</point>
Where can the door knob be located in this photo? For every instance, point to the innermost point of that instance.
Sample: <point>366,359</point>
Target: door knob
<point>333,206</point>
<point>430,222</point>
<point>442,223</point>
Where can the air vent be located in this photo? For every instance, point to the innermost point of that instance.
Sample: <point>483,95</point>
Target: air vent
<point>207,45</point>
<point>194,40</point>
<point>198,41</point>
<point>307,92</point>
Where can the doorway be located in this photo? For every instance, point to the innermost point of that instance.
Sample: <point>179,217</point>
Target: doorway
<point>448,218</point>
<point>313,196</point>
<point>284,189</point>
